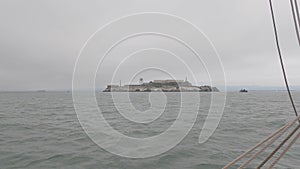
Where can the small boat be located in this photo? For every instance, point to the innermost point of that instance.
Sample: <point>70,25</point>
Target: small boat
<point>243,91</point>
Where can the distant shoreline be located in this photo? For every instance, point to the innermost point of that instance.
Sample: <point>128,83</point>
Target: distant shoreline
<point>229,89</point>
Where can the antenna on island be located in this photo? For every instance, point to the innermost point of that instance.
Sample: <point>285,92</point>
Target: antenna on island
<point>186,78</point>
<point>120,83</point>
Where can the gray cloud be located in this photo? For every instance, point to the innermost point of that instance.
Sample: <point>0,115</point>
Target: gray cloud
<point>40,40</point>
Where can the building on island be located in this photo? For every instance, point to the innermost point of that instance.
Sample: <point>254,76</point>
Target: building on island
<point>168,85</point>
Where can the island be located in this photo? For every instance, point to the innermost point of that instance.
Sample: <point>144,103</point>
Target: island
<point>161,86</point>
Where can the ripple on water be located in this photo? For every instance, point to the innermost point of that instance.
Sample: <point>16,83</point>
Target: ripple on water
<point>41,130</point>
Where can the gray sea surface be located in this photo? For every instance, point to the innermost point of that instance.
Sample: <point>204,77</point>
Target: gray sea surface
<point>41,130</point>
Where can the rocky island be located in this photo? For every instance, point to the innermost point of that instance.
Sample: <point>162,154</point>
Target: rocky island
<point>161,86</point>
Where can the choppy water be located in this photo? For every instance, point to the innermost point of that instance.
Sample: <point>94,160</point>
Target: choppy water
<point>41,130</point>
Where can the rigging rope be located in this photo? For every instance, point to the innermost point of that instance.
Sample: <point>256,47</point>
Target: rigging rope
<point>297,12</point>
<point>284,151</point>
<point>273,137</point>
<point>281,60</point>
<point>269,140</point>
<point>278,147</point>
<point>295,19</point>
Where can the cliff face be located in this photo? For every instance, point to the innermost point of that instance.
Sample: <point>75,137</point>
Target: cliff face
<point>161,86</point>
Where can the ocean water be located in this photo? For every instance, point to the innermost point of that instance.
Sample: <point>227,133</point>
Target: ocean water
<point>41,130</point>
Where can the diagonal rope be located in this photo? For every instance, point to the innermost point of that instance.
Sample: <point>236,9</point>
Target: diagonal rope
<point>277,148</point>
<point>281,60</point>
<point>295,8</point>
<point>284,151</point>
<point>266,146</point>
<point>256,146</point>
<point>279,132</point>
<point>271,138</point>
<point>297,12</point>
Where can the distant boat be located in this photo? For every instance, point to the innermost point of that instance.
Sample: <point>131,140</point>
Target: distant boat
<point>243,90</point>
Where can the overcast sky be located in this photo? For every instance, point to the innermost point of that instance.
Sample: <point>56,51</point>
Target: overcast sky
<point>40,40</point>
